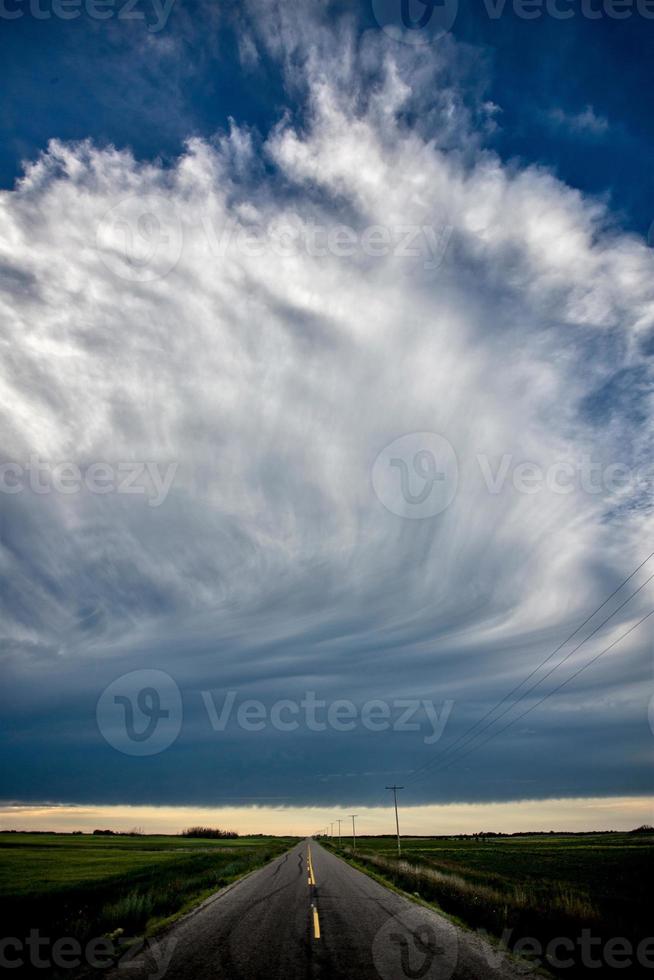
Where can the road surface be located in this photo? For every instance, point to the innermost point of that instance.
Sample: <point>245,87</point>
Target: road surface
<point>310,915</point>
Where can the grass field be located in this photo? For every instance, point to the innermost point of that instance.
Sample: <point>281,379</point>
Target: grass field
<point>89,886</point>
<point>542,886</point>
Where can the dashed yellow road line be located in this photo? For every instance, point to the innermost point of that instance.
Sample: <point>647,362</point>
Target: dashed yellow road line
<point>312,877</point>
<point>312,882</point>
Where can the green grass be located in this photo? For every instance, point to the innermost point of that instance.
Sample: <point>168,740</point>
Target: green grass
<point>32,863</point>
<point>86,886</point>
<point>541,886</point>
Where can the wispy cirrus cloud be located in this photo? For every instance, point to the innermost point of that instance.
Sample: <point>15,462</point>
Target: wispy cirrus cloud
<point>267,314</point>
<point>587,123</point>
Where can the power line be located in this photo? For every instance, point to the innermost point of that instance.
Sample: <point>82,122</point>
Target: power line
<point>467,737</point>
<point>554,690</point>
<point>538,667</point>
<point>436,762</point>
<point>533,687</point>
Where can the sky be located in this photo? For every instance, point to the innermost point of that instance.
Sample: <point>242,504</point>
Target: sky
<point>524,816</point>
<point>326,414</point>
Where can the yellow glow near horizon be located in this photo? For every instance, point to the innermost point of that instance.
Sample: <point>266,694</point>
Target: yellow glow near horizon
<point>582,814</point>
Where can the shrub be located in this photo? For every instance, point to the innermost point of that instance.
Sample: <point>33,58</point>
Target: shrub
<point>211,833</point>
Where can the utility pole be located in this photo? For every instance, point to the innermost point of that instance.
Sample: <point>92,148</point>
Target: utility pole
<point>397,820</point>
<point>354,833</point>
<point>332,833</point>
<point>339,832</point>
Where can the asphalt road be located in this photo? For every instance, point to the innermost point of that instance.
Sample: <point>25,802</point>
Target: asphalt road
<point>310,915</point>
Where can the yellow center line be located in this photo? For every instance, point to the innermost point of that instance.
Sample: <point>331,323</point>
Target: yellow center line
<point>312,881</point>
<point>312,877</point>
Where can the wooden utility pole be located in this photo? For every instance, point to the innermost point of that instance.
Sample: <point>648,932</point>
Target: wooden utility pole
<point>354,833</point>
<point>397,819</point>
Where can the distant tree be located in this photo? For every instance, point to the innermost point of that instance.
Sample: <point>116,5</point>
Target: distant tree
<point>645,828</point>
<point>103,833</point>
<point>210,833</point>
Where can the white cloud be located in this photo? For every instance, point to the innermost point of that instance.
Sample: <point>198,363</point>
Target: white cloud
<point>585,123</point>
<point>274,380</point>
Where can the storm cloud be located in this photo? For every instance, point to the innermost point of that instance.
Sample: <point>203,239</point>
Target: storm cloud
<point>261,318</point>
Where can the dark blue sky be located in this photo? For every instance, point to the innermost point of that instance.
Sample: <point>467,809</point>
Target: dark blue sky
<point>84,78</point>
